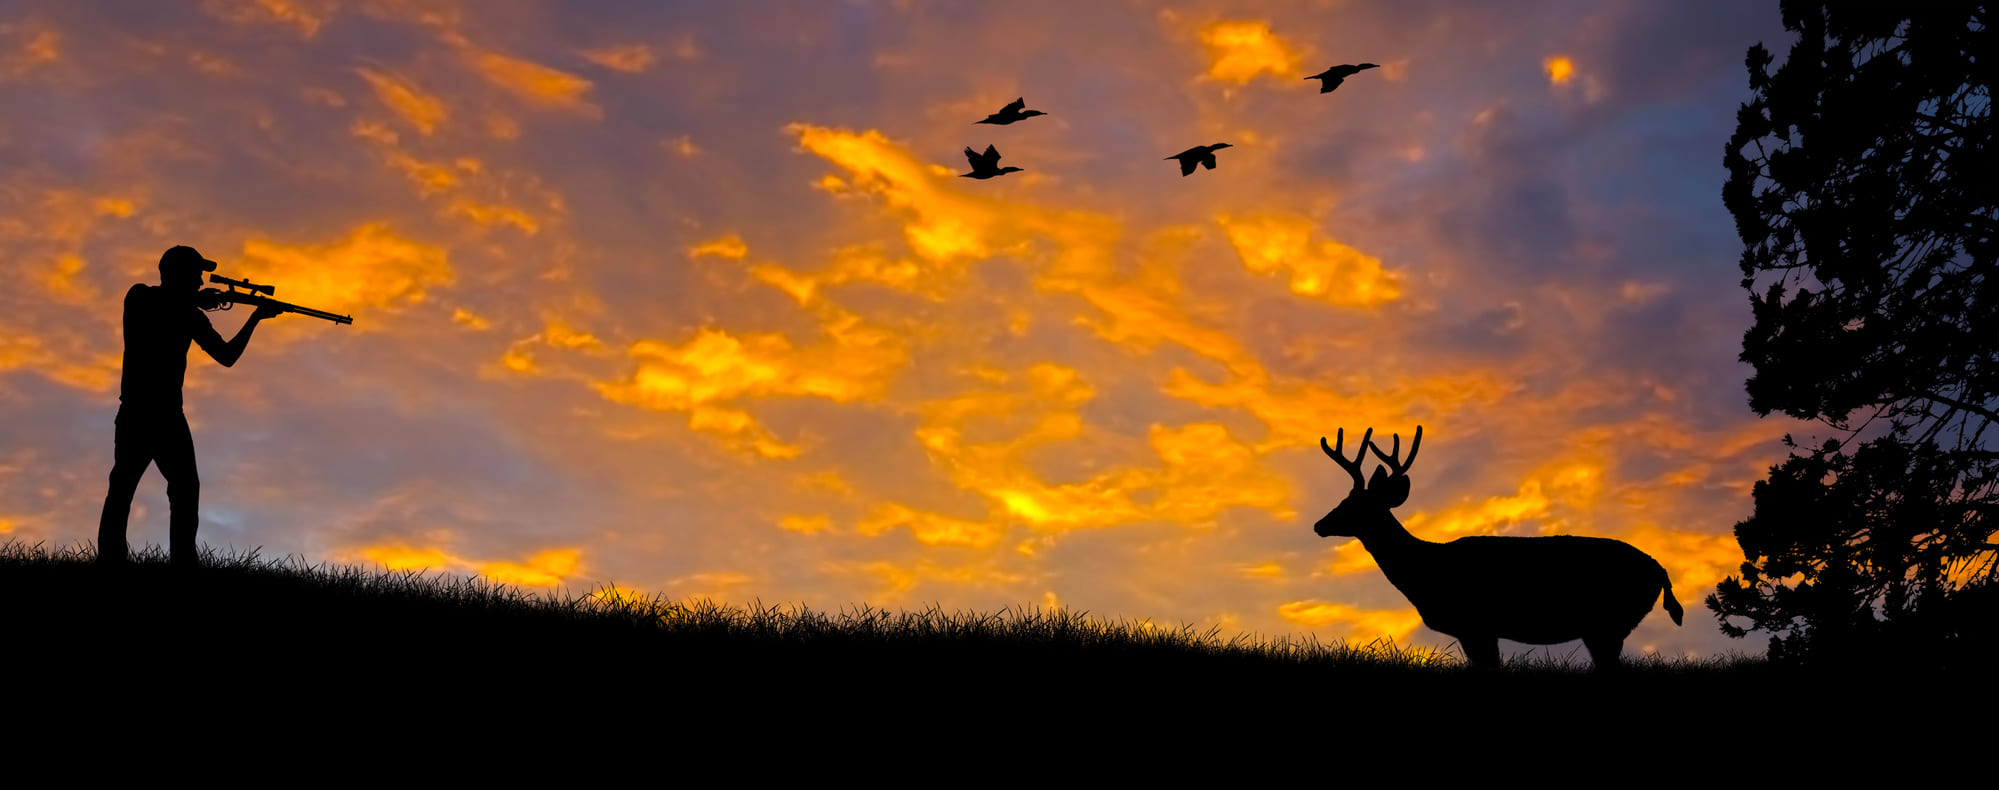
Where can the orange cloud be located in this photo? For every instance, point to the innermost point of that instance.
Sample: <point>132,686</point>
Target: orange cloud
<point>1207,471</point>
<point>491,215</point>
<point>213,65</point>
<point>715,369</point>
<point>306,16</point>
<point>62,282</point>
<point>538,84</point>
<point>930,529</point>
<point>852,264</point>
<point>898,580</point>
<point>682,146</point>
<point>1329,270</point>
<point>72,363</point>
<point>730,246</point>
<point>805,525</point>
<point>1694,561</point>
<point>628,58</point>
<point>470,320</point>
<point>1560,69</point>
<point>1360,625</point>
<point>1239,51</point>
<point>950,225</point>
<point>429,177</point>
<point>372,269</point>
<point>544,569</point>
<point>419,109</point>
<point>28,46</point>
<point>1570,484</point>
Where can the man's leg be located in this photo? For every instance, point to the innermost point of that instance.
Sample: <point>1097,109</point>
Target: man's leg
<point>176,459</point>
<point>131,455</point>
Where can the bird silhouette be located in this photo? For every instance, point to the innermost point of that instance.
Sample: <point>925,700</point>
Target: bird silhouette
<point>1010,113</point>
<point>1331,78</point>
<point>985,165</point>
<point>1203,155</point>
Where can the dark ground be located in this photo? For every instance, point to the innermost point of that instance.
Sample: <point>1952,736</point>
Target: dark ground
<point>257,661</point>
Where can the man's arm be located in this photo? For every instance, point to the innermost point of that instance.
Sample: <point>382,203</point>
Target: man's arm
<point>228,353</point>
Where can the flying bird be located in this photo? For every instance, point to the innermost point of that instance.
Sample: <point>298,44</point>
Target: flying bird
<point>985,165</point>
<point>1010,113</point>
<point>1331,78</point>
<point>1203,155</point>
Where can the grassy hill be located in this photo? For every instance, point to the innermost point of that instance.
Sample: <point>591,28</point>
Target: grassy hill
<point>331,651</point>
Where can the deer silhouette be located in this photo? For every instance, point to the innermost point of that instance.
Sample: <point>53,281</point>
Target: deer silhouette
<point>1480,590</point>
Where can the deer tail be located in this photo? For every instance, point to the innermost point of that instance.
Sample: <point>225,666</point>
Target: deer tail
<point>1672,604</point>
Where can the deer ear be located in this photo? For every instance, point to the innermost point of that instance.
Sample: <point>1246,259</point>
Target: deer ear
<point>1374,482</point>
<point>1395,491</point>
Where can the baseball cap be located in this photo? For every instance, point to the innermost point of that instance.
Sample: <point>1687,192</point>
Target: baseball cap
<point>183,255</point>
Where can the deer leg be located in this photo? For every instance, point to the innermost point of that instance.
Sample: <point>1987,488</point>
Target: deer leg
<point>1604,652</point>
<point>1481,651</point>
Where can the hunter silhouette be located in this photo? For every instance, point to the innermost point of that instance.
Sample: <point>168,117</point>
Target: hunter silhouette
<point>160,322</point>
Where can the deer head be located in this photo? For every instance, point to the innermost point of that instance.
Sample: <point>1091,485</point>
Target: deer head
<point>1365,510</point>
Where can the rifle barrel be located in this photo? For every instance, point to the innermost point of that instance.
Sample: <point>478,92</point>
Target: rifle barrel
<point>256,300</point>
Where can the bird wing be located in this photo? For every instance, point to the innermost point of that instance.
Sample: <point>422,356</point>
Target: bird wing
<point>1016,106</point>
<point>1207,161</point>
<point>992,156</point>
<point>1186,165</point>
<point>972,156</point>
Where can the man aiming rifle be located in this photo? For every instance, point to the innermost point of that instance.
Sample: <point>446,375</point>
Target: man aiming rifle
<point>160,323</point>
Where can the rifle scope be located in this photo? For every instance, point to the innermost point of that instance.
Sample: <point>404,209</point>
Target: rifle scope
<point>267,290</point>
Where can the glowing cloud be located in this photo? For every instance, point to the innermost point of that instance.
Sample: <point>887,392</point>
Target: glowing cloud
<point>1239,51</point>
<point>470,320</point>
<point>1362,625</point>
<point>492,215</point>
<point>538,84</point>
<point>421,110</point>
<point>628,58</point>
<point>545,569</point>
<point>1568,484</point>
<point>1559,68</point>
<point>28,47</point>
<point>715,368</point>
<point>1329,270</point>
<point>80,368</point>
<point>730,246</point>
<point>681,146</point>
<point>372,268</point>
<point>950,225</point>
<point>1208,471</point>
<point>306,16</point>
<point>805,525</point>
<point>930,529</point>
<point>898,580</point>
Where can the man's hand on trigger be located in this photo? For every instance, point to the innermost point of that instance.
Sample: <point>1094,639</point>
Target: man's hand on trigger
<point>267,311</point>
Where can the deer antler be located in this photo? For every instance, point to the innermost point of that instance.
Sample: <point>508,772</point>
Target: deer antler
<point>1352,467</point>
<point>1395,450</point>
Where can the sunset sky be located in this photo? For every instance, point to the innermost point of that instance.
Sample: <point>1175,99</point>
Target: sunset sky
<point>688,297</point>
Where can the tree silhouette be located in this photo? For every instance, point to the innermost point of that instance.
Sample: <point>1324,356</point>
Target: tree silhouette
<point>1861,178</point>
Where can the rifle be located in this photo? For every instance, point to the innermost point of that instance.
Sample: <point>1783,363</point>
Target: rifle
<point>258,295</point>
